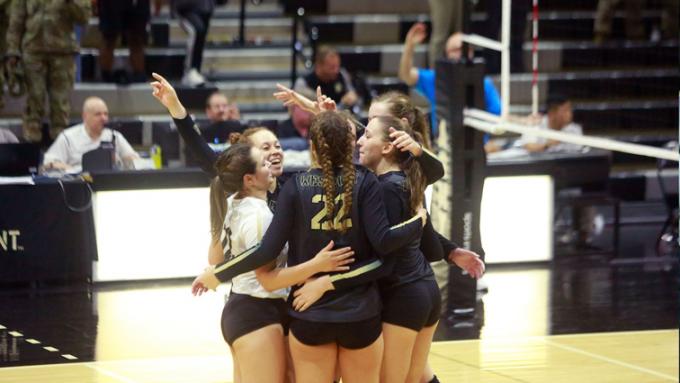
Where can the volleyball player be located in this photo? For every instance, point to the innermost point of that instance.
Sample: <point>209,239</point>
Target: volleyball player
<point>409,292</point>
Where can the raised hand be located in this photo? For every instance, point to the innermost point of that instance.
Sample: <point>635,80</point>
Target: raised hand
<point>416,34</point>
<point>324,103</point>
<point>166,95</point>
<point>290,97</point>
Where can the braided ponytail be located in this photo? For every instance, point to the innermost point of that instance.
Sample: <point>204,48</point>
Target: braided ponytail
<point>328,180</point>
<point>332,142</point>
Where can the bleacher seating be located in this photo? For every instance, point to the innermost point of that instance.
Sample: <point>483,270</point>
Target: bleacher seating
<point>622,89</point>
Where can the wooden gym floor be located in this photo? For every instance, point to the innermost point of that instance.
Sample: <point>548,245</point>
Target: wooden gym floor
<point>554,323</point>
<point>636,357</point>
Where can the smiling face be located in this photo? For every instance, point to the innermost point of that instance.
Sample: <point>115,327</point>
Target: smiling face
<point>267,142</point>
<point>373,145</point>
<point>261,179</point>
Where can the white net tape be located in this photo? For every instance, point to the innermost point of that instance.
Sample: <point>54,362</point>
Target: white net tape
<point>493,124</point>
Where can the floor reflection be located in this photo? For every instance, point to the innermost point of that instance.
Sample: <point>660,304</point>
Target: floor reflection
<point>147,321</point>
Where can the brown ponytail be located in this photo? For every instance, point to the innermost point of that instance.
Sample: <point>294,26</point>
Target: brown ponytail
<point>400,106</point>
<point>218,208</point>
<point>332,142</point>
<point>415,178</point>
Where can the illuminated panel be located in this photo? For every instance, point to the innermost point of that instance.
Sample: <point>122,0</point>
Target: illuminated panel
<point>517,219</point>
<point>151,234</point>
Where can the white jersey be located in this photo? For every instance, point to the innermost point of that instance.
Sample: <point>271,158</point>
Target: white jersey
<point>246,222</point>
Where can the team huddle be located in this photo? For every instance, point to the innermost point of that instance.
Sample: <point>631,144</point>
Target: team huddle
<point>329,267</point>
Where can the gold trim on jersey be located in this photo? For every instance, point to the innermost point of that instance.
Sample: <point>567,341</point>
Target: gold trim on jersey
<point>361,270</point>
<point>237,259</point>
<point>415,217</point>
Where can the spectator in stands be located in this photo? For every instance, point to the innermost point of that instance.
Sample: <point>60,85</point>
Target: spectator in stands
<point>41,36</point>
<point>194,17</point>
<point>123,16</point>
<point>293,133</point>
<point>67,150</point>
<point>635,29</point>
<point>447,19</point>
<point>218,108</point>
<point>559,116</point>
<point>669,22</point>
<point>424,79</point>
<point>223,119</point>
<point>7,137</point>
<point>334,80</point>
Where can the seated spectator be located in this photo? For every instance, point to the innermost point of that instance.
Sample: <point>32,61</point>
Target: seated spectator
<point>293,133</point>
<point>424,79</point>
<point>559,116</point>
<point>67,151</point>
<point>334,80</point>
<point>7,137</point>
<point>223,119</point>
<point>218,108</point>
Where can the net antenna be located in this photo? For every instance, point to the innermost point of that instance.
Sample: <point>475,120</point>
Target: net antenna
<point>503,47</point>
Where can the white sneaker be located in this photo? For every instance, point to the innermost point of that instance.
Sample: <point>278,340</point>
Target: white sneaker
<point>193,78</point>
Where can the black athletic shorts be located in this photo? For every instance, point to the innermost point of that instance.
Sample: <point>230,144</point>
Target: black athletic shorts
<point>244,314</point>
<point>118,16</point>
<point>351,335</point>
<point>412,305</point>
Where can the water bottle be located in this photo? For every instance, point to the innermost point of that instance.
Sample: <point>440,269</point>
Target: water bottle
<point>155,153</point>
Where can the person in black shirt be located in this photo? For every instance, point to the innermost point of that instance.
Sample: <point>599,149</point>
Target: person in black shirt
<point>328,74</point>
<point>399,105</point>
<point>410,296</point>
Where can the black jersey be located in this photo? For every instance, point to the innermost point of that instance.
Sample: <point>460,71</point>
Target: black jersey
<point>204,155</point>
<point>407,264</point>
<point>300,219</point>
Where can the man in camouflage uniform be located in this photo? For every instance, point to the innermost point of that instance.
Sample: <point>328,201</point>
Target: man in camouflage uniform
<point>4,20</point>
<point>41,34</point>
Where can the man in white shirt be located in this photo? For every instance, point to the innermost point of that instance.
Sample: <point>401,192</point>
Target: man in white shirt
<point>559,117</point>
<point>66,153</point>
